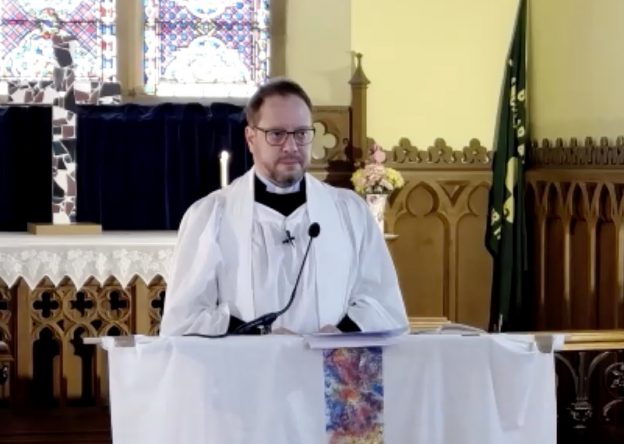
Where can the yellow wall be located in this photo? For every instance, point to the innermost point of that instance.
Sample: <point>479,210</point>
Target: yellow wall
<point>577,68</point>
<point>318,44</point>
<point>436,67</point>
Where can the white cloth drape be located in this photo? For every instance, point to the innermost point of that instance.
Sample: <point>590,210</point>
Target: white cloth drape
<point>438,389</point>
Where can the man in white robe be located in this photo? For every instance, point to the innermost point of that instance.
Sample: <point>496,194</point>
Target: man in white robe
<point>240,248</point>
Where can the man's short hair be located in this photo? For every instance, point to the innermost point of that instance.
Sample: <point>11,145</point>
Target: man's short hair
<point>276,87</point>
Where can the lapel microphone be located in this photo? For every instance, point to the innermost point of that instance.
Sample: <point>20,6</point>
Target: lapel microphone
<point>289,238</point>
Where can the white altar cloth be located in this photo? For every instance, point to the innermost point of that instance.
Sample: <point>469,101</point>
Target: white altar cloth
<point>438,389</point>
<point>118,254</point>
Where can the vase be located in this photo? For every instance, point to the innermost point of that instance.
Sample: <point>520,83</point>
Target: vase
<point>377,206</point>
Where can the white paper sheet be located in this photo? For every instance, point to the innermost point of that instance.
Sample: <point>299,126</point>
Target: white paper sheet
<point>357,339</point>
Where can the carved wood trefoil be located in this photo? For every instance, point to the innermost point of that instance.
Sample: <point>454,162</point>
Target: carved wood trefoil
<point>440,155</point>
<point>575,155</point>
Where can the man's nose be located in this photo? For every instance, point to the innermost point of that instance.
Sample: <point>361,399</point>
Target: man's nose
<point>290,144</point>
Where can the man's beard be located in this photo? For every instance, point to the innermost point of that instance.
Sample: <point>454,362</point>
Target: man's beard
<point>286,179</point>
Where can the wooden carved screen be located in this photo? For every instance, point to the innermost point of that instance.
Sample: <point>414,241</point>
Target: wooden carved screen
<point>575,199</point>
<point>439,217</point>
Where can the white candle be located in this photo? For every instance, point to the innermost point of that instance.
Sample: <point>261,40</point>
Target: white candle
<point>4,92</point>
<point>224,159</point>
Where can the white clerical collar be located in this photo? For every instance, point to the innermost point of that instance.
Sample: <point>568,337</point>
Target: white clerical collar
<point>272,188</point>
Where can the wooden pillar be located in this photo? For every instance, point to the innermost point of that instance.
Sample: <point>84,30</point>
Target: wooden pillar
<point>141,307</point>
<point>592,261</point>
<point>567,273</point>
<point>618,308</point>
<point>23,345</point>
<point>540,269</point>
<point>359,84</point>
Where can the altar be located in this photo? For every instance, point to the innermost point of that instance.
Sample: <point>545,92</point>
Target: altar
<point>56,289</point>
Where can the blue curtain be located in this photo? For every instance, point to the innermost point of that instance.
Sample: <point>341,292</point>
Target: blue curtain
<point>141,167</point>
<point>25,166</point>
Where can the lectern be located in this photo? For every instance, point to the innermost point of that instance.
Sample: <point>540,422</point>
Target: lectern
<point>424,388</point>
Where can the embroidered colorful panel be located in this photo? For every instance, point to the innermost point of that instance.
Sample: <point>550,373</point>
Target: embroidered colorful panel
<point>354,395</point>
<point>216,48</point>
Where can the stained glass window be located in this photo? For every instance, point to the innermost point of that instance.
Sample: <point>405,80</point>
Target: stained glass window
<point>217,48</point>
<point>60,53</point>
<point>37,36</point>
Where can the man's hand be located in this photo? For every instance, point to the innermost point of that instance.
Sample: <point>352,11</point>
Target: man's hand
<point>329,329</point>
<point>283,331</point>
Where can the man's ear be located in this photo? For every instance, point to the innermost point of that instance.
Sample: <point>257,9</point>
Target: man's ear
<point>250,137</point>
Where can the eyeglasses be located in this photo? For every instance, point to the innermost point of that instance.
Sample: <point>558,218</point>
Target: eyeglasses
<point>277,137</point>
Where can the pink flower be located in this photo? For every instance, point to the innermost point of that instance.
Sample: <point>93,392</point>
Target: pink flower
<point>377,154</point>
<point>374,177</point>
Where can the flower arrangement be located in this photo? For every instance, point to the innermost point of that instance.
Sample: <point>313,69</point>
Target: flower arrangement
<point>374,177</point>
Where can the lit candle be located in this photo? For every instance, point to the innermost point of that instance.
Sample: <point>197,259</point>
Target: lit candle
<point>224,159</point>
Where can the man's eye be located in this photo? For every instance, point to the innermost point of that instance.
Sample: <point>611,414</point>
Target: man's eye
<point>277,134</point>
